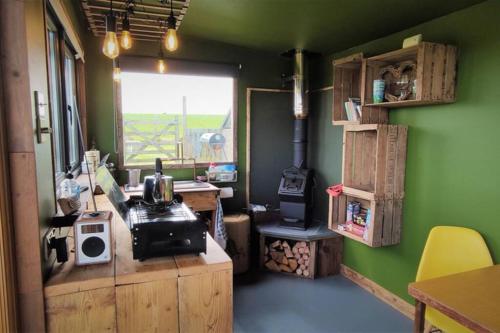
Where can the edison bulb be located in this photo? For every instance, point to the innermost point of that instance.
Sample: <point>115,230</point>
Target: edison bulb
<point>110,47</point>
<point>126,40</point>
<point>117,74</point>
<point>162,66</point>
<point>171,41</point>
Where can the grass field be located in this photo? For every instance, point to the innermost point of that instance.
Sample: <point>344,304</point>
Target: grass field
<point>149,125</point>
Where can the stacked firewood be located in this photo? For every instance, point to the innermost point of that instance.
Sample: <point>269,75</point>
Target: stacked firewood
<point>279,256</point>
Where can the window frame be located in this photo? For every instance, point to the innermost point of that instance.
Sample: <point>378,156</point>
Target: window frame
<point>63,48</point>
<point>119,130</point>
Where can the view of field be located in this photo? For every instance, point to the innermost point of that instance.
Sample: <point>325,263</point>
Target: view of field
<point>147,136</point>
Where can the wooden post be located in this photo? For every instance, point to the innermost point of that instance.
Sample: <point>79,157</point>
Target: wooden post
<point>17,108</point>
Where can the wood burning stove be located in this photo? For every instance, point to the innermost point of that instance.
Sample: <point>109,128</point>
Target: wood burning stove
<point>296,182</point>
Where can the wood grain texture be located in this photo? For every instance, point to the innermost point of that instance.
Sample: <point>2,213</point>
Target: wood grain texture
<point>213,261</point>
<point>206,302</point>
<point>329,256</point>
<point>8,301</point>
<point>88,311</point>
<point>67,278</point>
<point>128,270</point>
<point>147,307</point>
<point>396,302</point>
<point>470,298</point>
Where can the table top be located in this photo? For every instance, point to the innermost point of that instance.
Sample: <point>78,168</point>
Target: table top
<point>68,278</point>
<point>472,298</point>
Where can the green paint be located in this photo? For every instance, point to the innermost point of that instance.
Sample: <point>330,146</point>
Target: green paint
<point>452,176</point>
<point>318,25</point>
<point>259,69</point>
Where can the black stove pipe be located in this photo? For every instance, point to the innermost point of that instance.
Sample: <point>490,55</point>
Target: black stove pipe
<point>300,143</point>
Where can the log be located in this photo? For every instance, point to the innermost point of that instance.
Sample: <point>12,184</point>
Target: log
<point>276,244</point>
<point>284,260</point>
<point>303,267</point>
<point>306,250</point>
<point>301,250</point>
<point>285,244</point>
<point>266,250</point>
<point>305,272</point>
<point>301,261</point>
<point>288,252</point>
<point>293,264</point>
<point>285,268</point>
<point>277,256</point>
<point>298,271</point>
<point>306,263</point>
<point>305,256</point>
<point>295,250</point>
<point>272,265</point>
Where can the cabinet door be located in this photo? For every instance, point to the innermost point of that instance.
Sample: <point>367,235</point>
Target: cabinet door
<point>147,307</point>
<point>86,311</point>
<point>206,302</point>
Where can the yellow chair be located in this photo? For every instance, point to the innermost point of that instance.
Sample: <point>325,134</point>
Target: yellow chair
<point>451,250</point>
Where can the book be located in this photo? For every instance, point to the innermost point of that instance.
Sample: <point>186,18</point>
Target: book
<point>352,109</point>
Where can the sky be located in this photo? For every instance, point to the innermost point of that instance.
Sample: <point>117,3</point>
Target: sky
<point>162,93</point>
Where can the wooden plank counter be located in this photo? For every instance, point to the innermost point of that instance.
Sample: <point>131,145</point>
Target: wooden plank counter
<point>187,293</point>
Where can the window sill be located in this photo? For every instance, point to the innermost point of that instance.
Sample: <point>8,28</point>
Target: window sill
<point>174,166</point>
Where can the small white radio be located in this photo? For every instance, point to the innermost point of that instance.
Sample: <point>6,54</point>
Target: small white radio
<point>92,232</point>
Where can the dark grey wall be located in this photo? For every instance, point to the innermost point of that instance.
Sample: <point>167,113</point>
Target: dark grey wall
<point>271,135</point>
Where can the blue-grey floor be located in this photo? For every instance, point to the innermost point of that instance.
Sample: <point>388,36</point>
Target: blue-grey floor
<point>271,302</point>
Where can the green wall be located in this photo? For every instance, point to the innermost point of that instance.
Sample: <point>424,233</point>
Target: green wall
<point>452,173</point>
<point>259,69</point>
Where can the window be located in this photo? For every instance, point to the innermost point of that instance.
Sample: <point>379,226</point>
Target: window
<point>62,92</point>
<point>159,111</point>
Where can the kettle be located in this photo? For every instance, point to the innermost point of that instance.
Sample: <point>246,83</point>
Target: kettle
<point>158,188</point>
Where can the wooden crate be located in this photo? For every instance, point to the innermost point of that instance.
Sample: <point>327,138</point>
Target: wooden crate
<point>435,74</point>
<point>374,159</point>
<point>384,226</point>
<point>348,83</point>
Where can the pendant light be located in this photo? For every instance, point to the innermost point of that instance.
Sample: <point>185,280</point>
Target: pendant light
<point>117,73</point>
<point>161,65</point>
<point>171,41</point>
<point>126,38</point>
<point>110,47</point>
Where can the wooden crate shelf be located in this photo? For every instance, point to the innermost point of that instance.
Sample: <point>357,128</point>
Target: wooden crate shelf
<point>434,74</point>
<point>374,160</point>
<point>383,228</point>
<point>348,83</point>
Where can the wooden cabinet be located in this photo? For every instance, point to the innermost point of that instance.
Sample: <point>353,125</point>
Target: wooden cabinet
<point>428,68</point>
<point>188,293</point>
<point>373,174</point>
<point>433,74</point>
<point>348,83</point>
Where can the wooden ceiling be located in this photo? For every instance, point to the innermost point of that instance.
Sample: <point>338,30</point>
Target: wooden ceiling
<point>146,23</point>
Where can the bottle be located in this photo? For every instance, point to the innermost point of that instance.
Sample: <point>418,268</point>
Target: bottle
<point>70,187</point>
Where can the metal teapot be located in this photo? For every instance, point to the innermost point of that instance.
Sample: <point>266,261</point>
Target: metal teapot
<point>158,188</point>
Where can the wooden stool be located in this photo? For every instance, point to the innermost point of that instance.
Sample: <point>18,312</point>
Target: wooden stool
<point>238,232</point>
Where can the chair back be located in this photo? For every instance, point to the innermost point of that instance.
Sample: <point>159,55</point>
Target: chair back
<point>451,250</point>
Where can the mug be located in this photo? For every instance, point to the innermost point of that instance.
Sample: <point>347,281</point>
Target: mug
<point>134,177</point>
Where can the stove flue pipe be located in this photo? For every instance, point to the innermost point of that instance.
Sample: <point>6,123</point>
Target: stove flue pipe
<point>300,109</point>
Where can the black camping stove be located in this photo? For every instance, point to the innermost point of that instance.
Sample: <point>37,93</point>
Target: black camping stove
<point>165,229</point>
<point>295,198</point>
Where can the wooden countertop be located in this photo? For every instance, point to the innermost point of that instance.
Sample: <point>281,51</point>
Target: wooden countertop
<point>471,298</point>
<point>68,278</point>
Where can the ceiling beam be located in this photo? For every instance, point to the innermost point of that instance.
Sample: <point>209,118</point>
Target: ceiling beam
<point>136,12</point>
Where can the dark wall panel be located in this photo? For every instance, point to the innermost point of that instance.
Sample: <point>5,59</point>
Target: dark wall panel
<point>271,136</point>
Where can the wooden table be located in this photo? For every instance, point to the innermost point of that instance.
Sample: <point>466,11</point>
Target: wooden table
<point>471,298</point>
<point>185,293</point>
